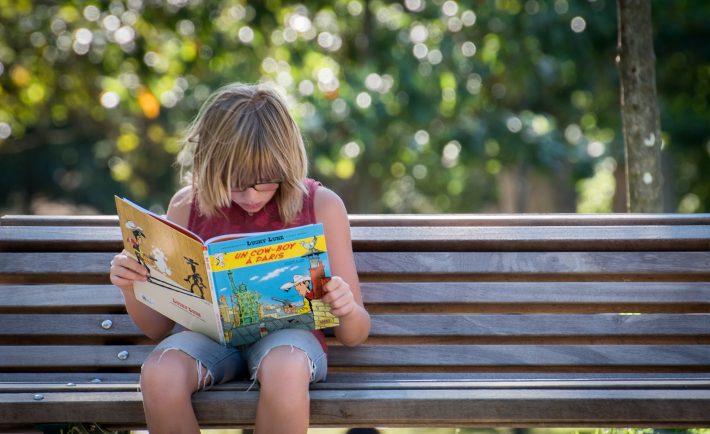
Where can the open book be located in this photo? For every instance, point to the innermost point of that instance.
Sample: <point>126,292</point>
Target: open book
<point>233,288</point>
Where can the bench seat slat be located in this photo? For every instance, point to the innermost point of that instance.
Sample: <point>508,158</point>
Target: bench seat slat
<point>545,356</point>
<point>411,325</point>
<point>363,383</point>
<point>540,325</point>
<point>34,381</point>
<point>432,356</point>
<point>472,407</point>
<point>93,267</point>
<point>52,326</point>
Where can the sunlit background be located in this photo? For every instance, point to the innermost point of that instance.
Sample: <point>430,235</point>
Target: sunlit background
<point>415,106</point>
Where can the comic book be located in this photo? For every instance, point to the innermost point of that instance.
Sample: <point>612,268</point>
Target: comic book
<point>234,288</point>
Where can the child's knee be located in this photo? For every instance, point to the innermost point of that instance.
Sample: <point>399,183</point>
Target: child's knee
<point>285,366</point>
<point>169,372</point>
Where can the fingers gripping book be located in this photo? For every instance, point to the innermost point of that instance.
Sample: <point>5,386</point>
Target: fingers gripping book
<point>233,288</point>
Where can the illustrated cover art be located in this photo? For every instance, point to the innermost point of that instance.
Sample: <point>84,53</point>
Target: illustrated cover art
<point>269,282</point>
<point>178,282</point>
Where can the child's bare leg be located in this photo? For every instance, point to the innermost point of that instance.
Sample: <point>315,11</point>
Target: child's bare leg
<point>284,405</point>
<point>168,380</point>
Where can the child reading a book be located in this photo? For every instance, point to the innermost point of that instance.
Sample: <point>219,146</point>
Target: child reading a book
<point>248,166</point>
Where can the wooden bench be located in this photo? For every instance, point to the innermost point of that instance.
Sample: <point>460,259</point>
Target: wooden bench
<point>477,320</point>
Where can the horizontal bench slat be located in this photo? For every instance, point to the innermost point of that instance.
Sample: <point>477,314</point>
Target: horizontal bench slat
<point>519,356</point>
<point>60,298</point>
<point>532,238</point>
<point>18,379</point>
<point>382,297</point>
<point>389,380</point>
<point>506,265</point>
<point>559,294</point>
<point>58,220</point>
<point>439,407</point>
<point>48,328</point>
<point>509,266</point>
<point>501,326</point>
<point>500,238</point>
<point>435,357</point>
<point>363,382</point>
<point>356,220</point>
<point>29,357</point>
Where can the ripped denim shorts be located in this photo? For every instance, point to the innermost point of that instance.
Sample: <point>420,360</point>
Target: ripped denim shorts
<point>227,363</point>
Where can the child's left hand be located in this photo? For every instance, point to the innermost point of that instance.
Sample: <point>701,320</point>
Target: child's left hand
<point>339,297</point>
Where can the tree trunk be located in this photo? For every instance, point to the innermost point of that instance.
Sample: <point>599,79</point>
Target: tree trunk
<point>639,107</point>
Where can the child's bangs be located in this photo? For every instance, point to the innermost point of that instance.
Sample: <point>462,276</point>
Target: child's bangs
<point>256,165</point>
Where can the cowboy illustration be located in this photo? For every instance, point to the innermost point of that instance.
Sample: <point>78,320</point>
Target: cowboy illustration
<point>194,279</point>
<point>135,240</point>
<point>304,288</point>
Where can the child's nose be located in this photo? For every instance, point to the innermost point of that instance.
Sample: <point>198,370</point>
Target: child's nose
<point>251,193</point>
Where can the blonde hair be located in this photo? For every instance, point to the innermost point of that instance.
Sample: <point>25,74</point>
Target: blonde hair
<point>244,134</point>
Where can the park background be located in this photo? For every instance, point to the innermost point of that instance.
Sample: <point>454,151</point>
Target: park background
<point>415,106</point>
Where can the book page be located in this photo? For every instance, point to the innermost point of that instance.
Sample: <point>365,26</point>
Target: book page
<point>271,281</point>
<point>178,285</point>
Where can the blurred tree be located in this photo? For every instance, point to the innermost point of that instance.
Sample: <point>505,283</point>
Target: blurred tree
<point>639,107</point>
<point>412,106</point>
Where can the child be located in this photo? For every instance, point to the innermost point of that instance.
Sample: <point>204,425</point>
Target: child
<point>248,173</point>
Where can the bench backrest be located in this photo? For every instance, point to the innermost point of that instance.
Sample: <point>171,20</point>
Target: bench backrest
<point>486,295</point>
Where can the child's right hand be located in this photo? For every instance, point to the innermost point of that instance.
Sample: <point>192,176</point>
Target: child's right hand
<point>125,270</point>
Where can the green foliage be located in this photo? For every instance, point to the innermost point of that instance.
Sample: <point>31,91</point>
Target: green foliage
<point>418,106</point>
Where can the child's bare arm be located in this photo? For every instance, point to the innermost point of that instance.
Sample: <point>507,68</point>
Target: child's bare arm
<point>343,290</point>
<point>124,271</point>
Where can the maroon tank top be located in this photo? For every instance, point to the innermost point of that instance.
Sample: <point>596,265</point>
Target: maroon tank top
<point>234,220</point>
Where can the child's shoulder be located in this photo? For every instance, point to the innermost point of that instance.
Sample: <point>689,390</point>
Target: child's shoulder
<point>180,205</point>
<point>182,197</point>
<point>327,202</point>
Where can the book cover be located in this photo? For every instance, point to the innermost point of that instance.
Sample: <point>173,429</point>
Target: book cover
<point>178,282</point>
<point>271,281</point>
<point>235,288</point>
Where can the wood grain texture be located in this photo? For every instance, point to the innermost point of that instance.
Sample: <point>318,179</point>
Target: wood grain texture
<point>541,293</point>
<point>473,407</point>
<point>444,220</point>
<point>84,267</point>
<point>58,329</point>
<point>433,357</point>
<point>61,298</point>
<point>413,297</point>
<point>425,238</point>
<point>534,320</point>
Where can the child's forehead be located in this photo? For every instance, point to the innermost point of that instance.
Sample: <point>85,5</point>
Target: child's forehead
<point>247,172</point>
<point>247,180</point>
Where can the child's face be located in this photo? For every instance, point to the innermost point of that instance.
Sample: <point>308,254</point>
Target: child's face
<point>251,200</point>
